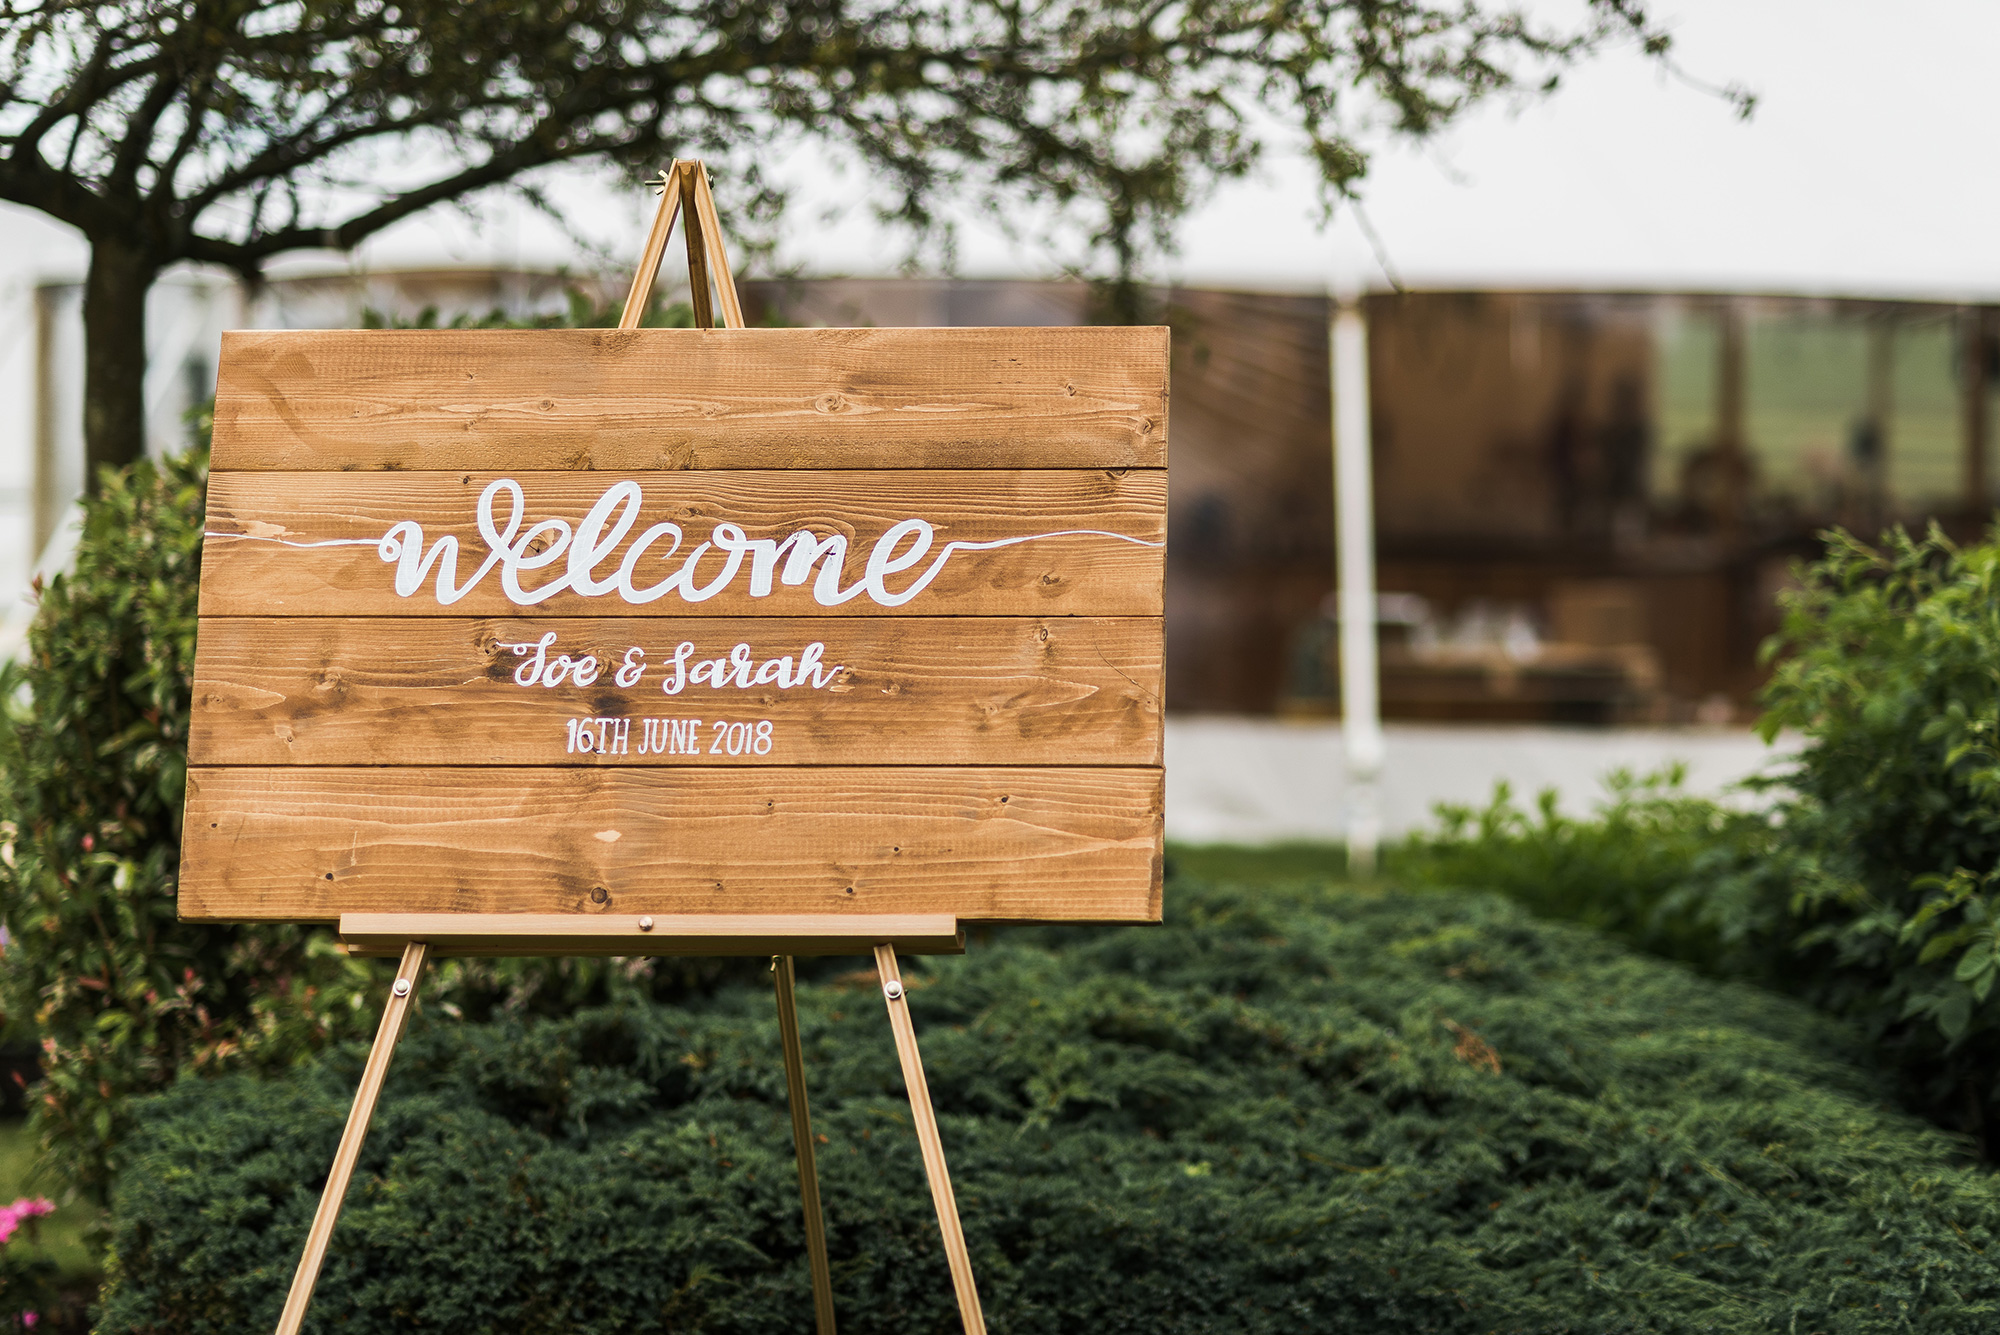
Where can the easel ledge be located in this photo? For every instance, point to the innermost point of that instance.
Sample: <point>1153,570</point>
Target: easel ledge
<point>464,935</point>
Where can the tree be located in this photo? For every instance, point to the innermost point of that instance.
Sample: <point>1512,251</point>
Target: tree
<point>229,131</point>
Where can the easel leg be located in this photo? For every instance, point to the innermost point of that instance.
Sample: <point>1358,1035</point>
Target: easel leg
<point>372,1075</point>
<point>802,1138</point>
<point>927,1139</point>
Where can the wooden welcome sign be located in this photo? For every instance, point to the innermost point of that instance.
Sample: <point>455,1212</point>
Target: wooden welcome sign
<point>785,641</point>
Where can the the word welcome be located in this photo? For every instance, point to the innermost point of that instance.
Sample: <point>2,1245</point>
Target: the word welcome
<point>588,549</point>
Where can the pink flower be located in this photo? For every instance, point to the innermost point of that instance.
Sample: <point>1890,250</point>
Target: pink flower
<point>25,1208</point>
<point>29,1319</point>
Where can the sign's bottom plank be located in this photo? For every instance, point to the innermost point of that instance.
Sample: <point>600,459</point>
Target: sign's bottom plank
<point>291,843</point>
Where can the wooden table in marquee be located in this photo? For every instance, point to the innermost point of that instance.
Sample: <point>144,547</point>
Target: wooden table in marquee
<point>657,641</point>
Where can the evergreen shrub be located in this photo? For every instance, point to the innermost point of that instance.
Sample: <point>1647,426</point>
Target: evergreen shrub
<point>1291,1108</point>
<point>1870,885</point>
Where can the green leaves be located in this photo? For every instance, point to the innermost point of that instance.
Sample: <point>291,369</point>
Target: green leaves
<point>1888,663</point>
<point>1676,875</point>
<point>1872,886</point>
<point>119,993</point>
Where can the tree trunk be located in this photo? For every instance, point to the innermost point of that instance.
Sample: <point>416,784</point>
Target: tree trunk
<point>114,356</point>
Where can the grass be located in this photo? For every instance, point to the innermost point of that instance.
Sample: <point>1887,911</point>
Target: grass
<point>1287,863</point>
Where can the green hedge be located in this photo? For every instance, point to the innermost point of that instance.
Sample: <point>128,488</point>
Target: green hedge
<point>1290,1109</point>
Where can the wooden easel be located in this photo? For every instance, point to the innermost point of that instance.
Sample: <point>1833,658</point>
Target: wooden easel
<point>419,937</point>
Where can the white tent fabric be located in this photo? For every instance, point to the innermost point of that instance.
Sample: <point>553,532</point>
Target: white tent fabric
<point>1863,172</point>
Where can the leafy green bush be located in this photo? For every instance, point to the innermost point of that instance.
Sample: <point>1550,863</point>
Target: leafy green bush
<point>119,994</point>
<point>92,768</point>
<point>1891,670</point>
<point>1675,875</point>
<point>1288,1109</point>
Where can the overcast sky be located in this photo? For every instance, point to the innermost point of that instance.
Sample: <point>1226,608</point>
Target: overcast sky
<point>1868,168</point>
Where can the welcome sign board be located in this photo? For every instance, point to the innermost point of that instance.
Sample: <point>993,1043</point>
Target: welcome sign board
<point>805,622</point>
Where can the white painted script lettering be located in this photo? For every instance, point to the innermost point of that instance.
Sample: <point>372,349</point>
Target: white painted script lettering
<point>740,669</point>
<point>588,549</point>
<point>516,548</point>
<point>542,670</point>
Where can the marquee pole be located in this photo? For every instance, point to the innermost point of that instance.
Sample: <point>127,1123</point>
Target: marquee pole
<point>401,993</point>
<point>1354,523</point>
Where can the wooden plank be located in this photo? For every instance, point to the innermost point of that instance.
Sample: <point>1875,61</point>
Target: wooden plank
<point>685,398</point>
<point>898,691</point>
<point>1078,543</point>
<point>459,935</point>
<point>297,843</point>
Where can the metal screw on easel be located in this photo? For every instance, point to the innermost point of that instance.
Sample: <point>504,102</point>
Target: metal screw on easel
<point>402,987</point>
<point>893,990</point>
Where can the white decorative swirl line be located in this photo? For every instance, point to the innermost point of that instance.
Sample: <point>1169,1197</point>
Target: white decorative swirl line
<point>956,545</point>
<point>287,542</point>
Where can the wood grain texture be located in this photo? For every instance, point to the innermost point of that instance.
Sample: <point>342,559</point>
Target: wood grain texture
<point>908,690</point>
<point>249,570</point>
<point>298,843</point>
<point>621,400</point>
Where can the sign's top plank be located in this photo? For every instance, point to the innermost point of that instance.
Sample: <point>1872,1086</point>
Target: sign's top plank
<point>625,400</point>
